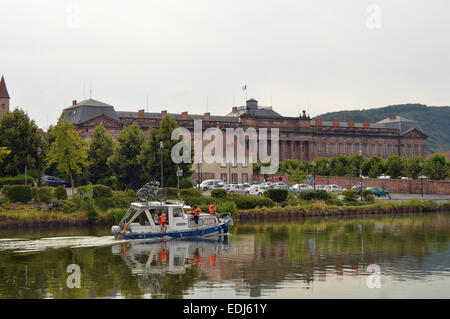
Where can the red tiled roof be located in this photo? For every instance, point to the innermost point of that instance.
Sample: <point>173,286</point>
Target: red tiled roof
<point>3,89</point>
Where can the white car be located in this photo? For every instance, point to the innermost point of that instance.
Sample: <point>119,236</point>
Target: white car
<point>334,188</point>
<point>302,187</point>
<point>209,184</point>
<point>320,187</point>
<point>257,190</point>
<point>237,189</point>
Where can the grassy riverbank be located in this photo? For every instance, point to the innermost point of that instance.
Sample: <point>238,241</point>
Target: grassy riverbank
<point>28,216</point>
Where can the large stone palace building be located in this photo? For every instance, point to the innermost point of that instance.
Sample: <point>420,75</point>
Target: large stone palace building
<point>300,137</point>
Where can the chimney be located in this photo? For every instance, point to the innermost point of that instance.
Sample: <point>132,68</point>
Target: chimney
<point>351,123</point>
<point>207,117</point>
<point>234,109</point>
<point>335,122</point>
<point>163,114</point>
<point>366,123</point>
<point>141,114</point>
<point>318,121</point>
<point>184,115</point>
<point>392,116</point>
<point>74,102</point>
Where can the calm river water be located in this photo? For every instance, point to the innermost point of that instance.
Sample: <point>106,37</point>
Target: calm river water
<point>380,257</point>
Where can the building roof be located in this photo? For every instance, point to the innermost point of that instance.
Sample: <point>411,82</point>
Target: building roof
<point>404,125</point>
<point>252,108</point>
<point>3,89</point>
<point>89,109</point>
<point>177,116</point>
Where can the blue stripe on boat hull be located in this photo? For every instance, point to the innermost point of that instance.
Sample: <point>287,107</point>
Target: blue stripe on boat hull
<point>190,233</point>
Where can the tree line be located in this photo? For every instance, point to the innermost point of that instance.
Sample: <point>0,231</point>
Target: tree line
<point>127,162</point>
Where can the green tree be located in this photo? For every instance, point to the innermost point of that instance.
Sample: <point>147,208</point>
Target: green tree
<point>321,166</point>
<point>373,166</point>
<point>296,175</point>
<point>338,165</point>
<point>394,166</point>
<point>4,152</point>
<point>353,165</point>
<point>436,167</point>
<point>124,160</point>
<point>100,148</point>
<point>412,166</point>
<point>21,136</point>
<point>150,155</point>
<point>68,150</point>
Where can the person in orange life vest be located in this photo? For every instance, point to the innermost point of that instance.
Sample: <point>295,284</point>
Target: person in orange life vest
<point>212,209</point>
<point>163,222</point>
<point>196,214</point>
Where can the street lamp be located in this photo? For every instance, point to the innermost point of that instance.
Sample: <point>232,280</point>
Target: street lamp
<point>161,145</point>
<point>421,177</point>
<point>360,175</point>
<point>179,173</point>
<point>314,174</point>
<point>328,174</point>
<point>39,152</point>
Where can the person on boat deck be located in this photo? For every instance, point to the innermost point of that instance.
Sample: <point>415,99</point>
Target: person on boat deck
<point>163,222</point>
<point>197,212</point>
<point>212,209</point>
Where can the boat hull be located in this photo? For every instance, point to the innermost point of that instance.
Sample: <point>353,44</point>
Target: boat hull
<point>189,233</point>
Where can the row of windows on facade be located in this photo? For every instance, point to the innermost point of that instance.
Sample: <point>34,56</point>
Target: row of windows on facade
<point>368,147</point>
<point>234,178</point>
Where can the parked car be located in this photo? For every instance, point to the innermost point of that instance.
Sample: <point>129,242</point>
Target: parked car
<point>378,191</point>
<point>334,188</point>
<point>237,189</point>
<point>209,184</point>
<point>359,189</point>
<point>54,181</point>
<point>257,190</point>
<point>302,187</point>
<point>319,187</point>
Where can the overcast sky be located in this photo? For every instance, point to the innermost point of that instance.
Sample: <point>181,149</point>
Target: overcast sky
<point>320,55</point>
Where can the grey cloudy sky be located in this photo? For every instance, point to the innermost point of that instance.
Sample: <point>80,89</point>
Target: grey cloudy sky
<point>319,54</point>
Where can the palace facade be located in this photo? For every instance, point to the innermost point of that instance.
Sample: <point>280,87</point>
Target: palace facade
<point>300,137</point>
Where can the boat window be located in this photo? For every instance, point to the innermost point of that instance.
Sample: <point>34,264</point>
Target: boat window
<point>177,212</point>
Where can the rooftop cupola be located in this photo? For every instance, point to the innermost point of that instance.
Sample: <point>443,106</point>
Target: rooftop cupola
<point>252,104</point>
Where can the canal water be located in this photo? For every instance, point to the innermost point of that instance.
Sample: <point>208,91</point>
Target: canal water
<point>381,257</point>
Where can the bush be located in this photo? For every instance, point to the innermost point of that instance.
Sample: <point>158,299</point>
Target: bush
<point>368,196</point>
<point>117,214</point>
<point>219,193</point>
<point>315,195</point>
<point>123,199</point>
<point>224,207</point>
<point>277,195</point>
<point>249,202</point>
<point>185,183</point>
<point>104,203</point>
<point>350,195</point>
<point>15,180</point>
<point>91,210</point>
<point>171,191</point>
<point>85,192</point>
<point>197,200</point>
<point>191,192</point>
<point>43,194</point>
<point>101,191</point>
<point>68,206</point>
<point>61,193</point>
<point>19,193</point>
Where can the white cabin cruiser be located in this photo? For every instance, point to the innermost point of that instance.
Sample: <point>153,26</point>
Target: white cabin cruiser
<point>141,222</point>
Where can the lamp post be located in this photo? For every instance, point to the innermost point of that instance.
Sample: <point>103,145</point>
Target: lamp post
<point>328,174</point>
<point>179,173</point>
<point>314,174</point>
<point>161,145</point>
<point>360,175</point>
<point>39,152</point>
<point>421,177</point>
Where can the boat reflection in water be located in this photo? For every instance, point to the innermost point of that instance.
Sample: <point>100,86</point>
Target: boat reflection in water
<point>170,256</point>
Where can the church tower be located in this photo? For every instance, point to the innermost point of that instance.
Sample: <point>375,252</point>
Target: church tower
<point>4,98</point>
